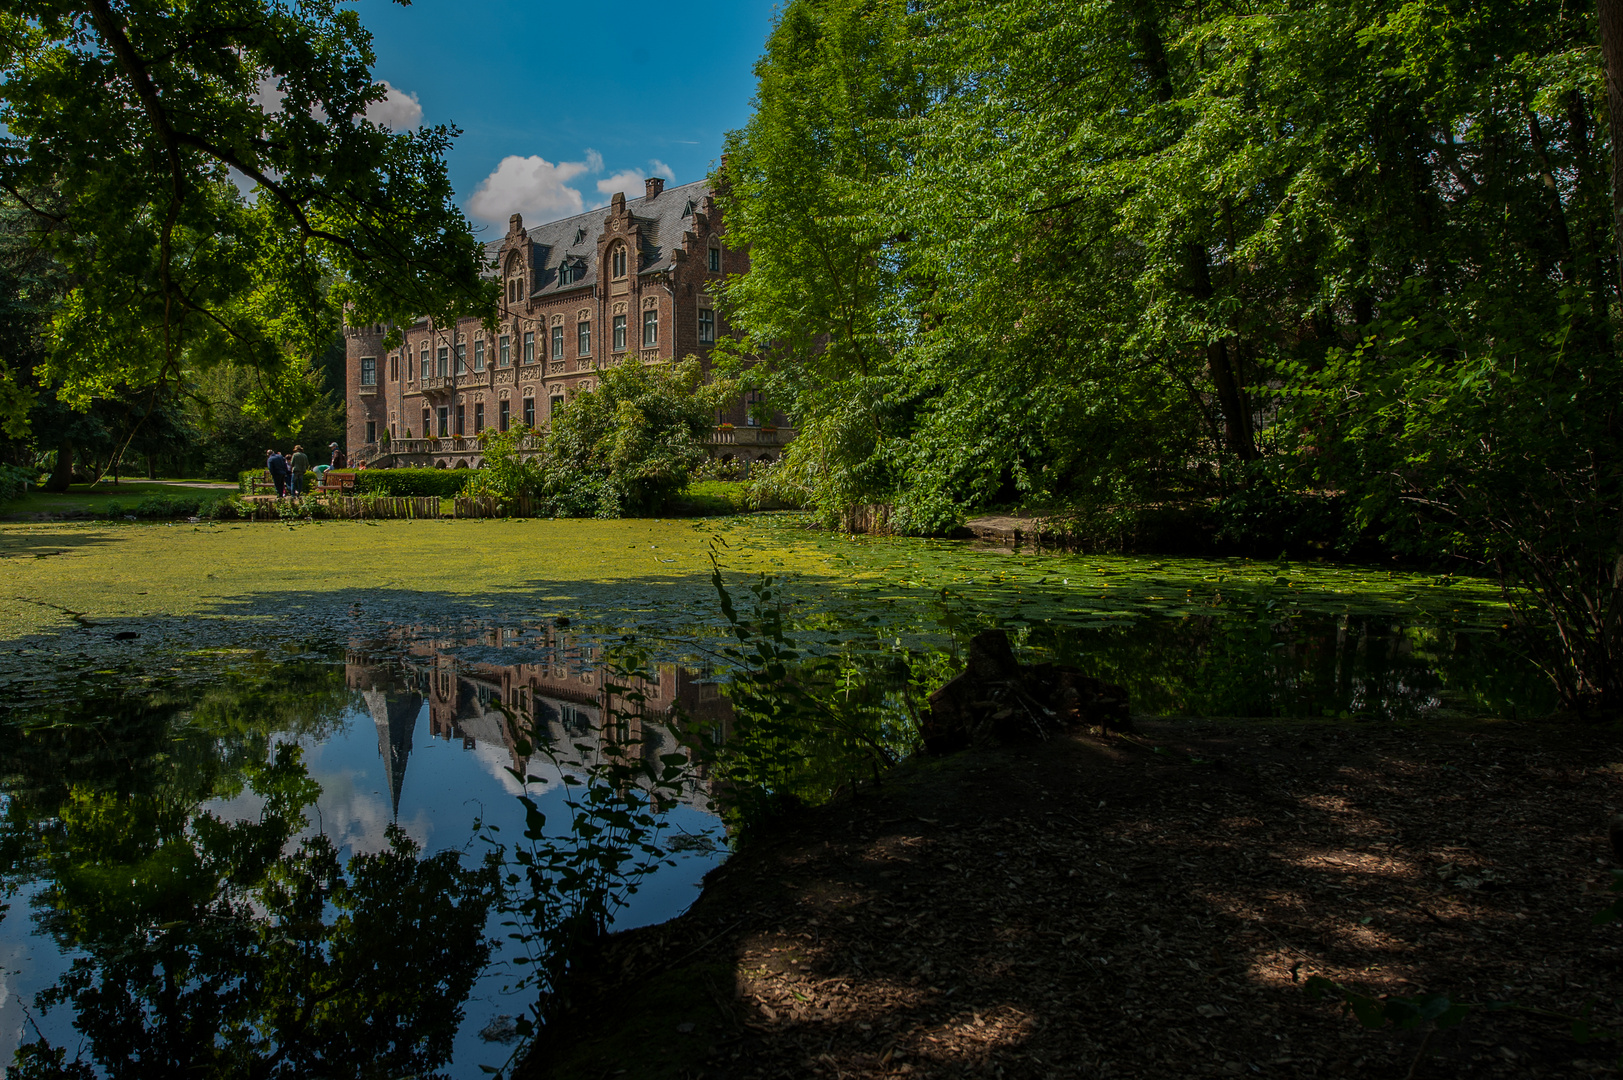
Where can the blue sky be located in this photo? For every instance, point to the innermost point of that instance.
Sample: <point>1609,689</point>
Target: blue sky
<point>561,105</point>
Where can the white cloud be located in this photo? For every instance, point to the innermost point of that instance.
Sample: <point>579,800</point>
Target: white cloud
<point>533,186</point>
<point>631,181</point>
<point>628,181</point>
<point>398,110</point>
<point>530,185</point>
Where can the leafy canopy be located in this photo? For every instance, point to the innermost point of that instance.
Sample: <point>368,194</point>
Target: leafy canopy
<point>129,126</point>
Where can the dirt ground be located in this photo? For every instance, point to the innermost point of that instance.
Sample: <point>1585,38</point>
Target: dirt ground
<point>1146,907</point>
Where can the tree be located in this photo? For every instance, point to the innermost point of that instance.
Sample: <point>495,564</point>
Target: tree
<point>627,447</point>
<point>137,115</point>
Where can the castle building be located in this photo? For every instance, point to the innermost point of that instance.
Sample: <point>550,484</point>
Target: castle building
<point>636,279</point>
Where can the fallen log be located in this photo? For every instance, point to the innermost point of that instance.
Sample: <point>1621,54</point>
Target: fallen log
<point>998,700</point>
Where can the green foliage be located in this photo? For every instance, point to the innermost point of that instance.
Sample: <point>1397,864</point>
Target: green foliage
<point>412,483</point>
<point>626,448</point>
<point>803,726</point>
<point>507,472</point>
<point>16,480</point>
<point>162,507</point>
<point>123,125</point>
<point>1370,245</point>
<point>1487,430</point>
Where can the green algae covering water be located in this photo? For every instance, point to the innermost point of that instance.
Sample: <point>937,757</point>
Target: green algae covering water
<point>247,760</point>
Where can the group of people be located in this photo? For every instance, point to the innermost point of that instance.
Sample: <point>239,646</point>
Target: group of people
<point>287,470</point>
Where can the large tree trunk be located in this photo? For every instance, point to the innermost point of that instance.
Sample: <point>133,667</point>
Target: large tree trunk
<point>1609,15</point>
<point>62,472</point>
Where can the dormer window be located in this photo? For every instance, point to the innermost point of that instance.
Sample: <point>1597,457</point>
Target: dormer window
<point>568,272</point>
<point>617,261</point>
<point>580,234</point>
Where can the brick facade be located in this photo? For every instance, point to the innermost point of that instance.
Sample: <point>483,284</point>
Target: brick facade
<point>661,254</point>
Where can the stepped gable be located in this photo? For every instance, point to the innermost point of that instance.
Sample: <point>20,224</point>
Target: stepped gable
<point>575,238</point>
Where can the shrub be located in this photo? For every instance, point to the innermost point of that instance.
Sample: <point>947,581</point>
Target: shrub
<point>15,480</point>
<point>410,483</point>
<point>165,507</point>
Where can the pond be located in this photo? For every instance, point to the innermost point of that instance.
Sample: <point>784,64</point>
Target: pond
<point>246,811</point>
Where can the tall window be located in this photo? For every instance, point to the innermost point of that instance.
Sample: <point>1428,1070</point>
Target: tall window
<point>478,417</point>
<point>424,358</point>
<point>529,412</point>
<point>583,334</point>
<point>619,333</point>
<point>529,346</point>
<point>394,367</point>
<point>427,424</point>
<point>617,260</point>
<point>715,259</point>
<point>650,329</point>
<point>479,355</point>
<point>502,408</point>
<point>707,325</point>
<point>371,431</point>
<point>462,358</point>
<point>557,343</point>
<point>460,430</point>
<point>504,352</point>
<point>443,356</point>
<point>445,420</point>
<point>369,371</point>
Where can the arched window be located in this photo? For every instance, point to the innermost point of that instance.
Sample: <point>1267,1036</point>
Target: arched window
<point>617,261</point>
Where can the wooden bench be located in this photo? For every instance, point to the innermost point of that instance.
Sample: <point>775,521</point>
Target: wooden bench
<point>263,480</point>
<point>342,482</point>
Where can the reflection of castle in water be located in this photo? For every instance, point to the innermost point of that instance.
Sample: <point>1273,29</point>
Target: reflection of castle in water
<point>562,687</point>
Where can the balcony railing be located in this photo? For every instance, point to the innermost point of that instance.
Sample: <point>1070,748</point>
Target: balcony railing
<point>751,436</point>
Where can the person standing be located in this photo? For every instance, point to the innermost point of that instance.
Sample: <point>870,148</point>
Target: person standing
<point>276,465</point>
<point>299,465</point>
<point>338,460</point>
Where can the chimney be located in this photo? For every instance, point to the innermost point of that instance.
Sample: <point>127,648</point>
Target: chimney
<point>655,184</point>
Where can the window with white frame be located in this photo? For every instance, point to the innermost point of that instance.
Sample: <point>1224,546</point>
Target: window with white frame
<point>529,346</point>
<point>557,342</point>
<point>444,356</point>
<point>619,333</point>
<point>462,358</point>
<point>369,372</point>
<point>504,353</point>
<point>479,355</point>
<point>583,335</point>
<point>650,328</point>
<point>707,325</point>
<point>424,358</point>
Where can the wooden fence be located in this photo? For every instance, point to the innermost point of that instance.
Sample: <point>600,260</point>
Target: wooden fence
<point>353,508</point>
<point>488,506</point>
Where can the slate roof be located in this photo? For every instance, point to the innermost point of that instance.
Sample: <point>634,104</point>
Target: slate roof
<point>575,238</point>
